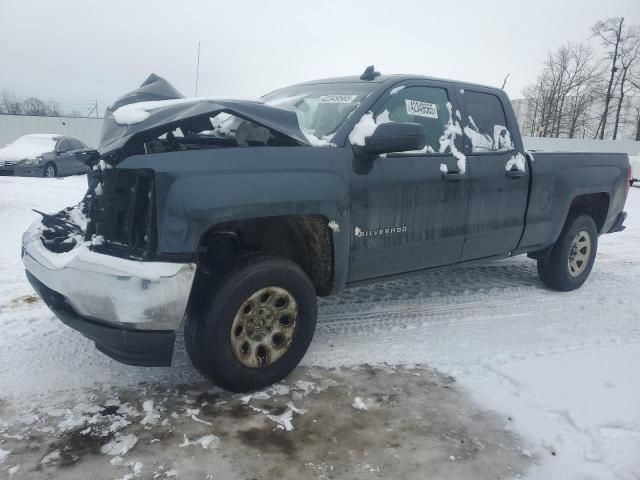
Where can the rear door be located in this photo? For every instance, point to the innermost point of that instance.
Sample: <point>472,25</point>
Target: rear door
<point>406,215</point>
<point>499,176</point>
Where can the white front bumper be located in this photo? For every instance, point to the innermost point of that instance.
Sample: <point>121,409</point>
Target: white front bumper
<point>125,293</point>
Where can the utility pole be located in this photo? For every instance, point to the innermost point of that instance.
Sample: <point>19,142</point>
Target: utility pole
<point>197,71</point>
<point>97,111</point>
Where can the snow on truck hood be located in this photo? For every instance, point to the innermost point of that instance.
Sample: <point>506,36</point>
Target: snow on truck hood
<point>156,105</point>
<point>29,146</point>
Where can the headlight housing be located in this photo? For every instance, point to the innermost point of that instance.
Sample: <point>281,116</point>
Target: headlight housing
<point>31,161</point>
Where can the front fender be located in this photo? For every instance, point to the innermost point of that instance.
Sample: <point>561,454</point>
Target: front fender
<point>198,189</point>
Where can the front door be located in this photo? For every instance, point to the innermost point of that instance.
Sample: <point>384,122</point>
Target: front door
<point>65,159</point>
<point>405,213</point>
<point>499,178</point>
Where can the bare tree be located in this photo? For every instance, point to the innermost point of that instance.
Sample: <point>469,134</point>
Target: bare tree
<point>629,52</point>
<point>559,101</point>
<point>611,33</point>
<point>10,103</point>
<point>635,119</point>
<point>54,109</point>
<point>35,106</point>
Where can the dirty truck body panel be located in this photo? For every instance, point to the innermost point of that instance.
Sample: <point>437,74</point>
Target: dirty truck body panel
<point>161,207</point>
<point>196,192</point>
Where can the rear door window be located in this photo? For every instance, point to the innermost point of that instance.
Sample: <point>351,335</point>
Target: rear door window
<point>64,146</point>
<point>75,144</point>
<point>486,124</point>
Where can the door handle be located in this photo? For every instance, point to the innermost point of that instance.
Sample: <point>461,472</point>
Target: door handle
<point>453,176</point>
<point>516,174</point>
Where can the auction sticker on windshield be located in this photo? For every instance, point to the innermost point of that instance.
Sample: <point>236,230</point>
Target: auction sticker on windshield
<point>421,109</point>
<point>337,98</point>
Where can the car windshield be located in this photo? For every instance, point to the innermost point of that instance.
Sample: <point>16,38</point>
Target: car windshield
<point>321,108</point>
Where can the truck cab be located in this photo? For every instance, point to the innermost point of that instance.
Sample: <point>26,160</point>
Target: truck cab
<point>229,218</point>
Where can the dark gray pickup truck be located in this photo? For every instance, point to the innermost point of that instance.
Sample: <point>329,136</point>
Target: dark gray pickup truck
<point>230,217</point>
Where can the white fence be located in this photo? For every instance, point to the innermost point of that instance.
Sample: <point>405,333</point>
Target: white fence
<point>88,130</point>
<point>84,129</point>
<point>630,147</point>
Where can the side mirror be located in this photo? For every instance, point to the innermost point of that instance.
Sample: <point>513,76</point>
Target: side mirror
<point>89,157</point>
<point>394,137</point>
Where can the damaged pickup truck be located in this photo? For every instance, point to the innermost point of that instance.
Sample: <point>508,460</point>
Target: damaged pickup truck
<point>229,218</point>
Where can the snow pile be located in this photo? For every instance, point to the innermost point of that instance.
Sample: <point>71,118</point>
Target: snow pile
<point>324,141</point>
<point>579,408</point>
<point>29,146</point>
<point>136,467</point>
<point>78,217</point>
<point>517,161</point>
<point>206,442</point>
<point>50,458</point>
<point>480,142</point>
<point>284,420</point>
<point>366,126</point>
<point>193,414</point>
<point>120,445</point>
<point>483,142</point>
<point>3,455</point>
<point>501,138</point>
<point>138,112</point>
<point>358,404</point>
<point>101,165</point>
<point>448,141</point>
<point>635,166</point>
<point>151,416</point>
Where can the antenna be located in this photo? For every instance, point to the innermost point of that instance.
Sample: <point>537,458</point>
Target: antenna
<point>369,73</point>
<point>197,71</point>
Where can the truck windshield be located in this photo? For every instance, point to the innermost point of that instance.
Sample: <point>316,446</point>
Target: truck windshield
<point>322,108</point>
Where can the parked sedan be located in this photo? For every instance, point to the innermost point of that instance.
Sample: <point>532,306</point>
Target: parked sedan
<point>44,155</point>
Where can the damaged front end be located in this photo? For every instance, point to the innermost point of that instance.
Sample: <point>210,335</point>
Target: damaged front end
<point>96,265</point>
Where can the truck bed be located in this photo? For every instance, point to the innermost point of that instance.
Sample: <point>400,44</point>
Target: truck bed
<point>560,178</point>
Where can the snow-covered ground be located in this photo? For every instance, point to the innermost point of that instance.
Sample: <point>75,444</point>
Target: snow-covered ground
<point>561,367</point>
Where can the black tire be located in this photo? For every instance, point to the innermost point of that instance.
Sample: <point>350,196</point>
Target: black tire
<point>208,332</point>
<point>50,167</point>
<point>556,272</point>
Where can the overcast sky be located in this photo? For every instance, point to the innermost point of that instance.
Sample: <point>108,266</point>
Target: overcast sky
<point>68,50</point>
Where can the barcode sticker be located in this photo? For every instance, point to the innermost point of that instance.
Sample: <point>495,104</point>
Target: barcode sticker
<point>421,109</point>
<point>337,98</point>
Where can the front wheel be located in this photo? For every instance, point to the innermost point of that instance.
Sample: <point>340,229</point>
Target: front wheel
<point>49,171</point>
<point>257,326</point>
<point>572,256</point>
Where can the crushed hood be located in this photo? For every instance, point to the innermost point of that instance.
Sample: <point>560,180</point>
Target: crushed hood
<point>157,106</point>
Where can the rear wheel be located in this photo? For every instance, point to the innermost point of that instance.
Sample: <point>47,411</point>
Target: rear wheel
<point>50,171</point>
<point>572,256</point>
<point>257,325</point>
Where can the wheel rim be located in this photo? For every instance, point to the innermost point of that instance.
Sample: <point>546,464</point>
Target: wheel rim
<point>264,326</point>
<point>579,253</point>
<point>50,171</point>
